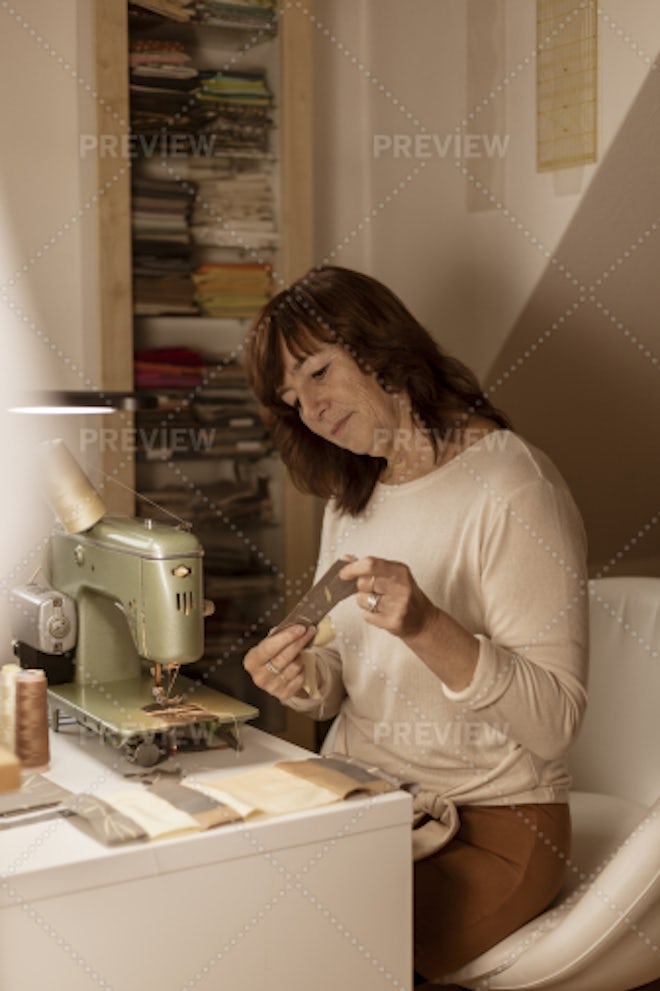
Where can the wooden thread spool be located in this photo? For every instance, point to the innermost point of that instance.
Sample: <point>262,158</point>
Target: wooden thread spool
<point>32,747</point>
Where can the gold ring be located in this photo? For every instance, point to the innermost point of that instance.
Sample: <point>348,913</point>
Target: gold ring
<point>373,583</point>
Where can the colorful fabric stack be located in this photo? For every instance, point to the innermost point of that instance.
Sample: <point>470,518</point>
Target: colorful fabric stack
<point>232,290</point>
<point>205,410</point>
<point>163,83</point>
<point>238,106</point>
<point>248,88</point>
<point>202,165</point>
<point>173,368</point>
<point>257,15</point>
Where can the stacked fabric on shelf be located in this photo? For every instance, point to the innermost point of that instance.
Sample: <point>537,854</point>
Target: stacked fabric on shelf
<point>168,368</point>
<point>232,289</point>
<point>205,407</point>
<point>173,10</point>
<point>162,286</point>
<point>193,111</point>
<point>257,15</point>
<point>230,195</point>
<point>248,15</point>
<point>163,84</point>
<point>160,212</point>
<point>179,437</point>
<point>249,88</point>
<point>239,501</point>
<point>236,209</point>
<point>162,261</point>
<point>202,176</point>
<point>239,106</point>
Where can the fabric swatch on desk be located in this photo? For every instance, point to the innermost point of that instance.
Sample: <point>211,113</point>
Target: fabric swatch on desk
<point>36,792</point>
<point>340,775</point>
<point>272,791</point>
<point>154,815</point>
<point>207,811</point>
<point>107,824</point>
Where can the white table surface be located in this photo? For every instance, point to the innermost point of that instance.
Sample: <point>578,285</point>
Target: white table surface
<point>317,899</point>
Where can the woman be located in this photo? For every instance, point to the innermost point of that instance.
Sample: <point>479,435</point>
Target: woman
<point>460,662</point>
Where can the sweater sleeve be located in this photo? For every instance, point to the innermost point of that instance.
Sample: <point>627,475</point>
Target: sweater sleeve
<point>532,665</point>
<point>330,686</point>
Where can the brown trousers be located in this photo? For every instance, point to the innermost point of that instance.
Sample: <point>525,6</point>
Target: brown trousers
<point>504,866</point>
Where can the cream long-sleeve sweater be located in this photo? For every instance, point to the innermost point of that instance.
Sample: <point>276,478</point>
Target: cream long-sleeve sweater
<point>494,538</point>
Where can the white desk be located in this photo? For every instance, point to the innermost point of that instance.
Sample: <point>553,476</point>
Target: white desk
<point>318,900</point>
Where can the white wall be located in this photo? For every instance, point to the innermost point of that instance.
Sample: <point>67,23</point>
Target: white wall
<point>425,240</point>
<point>47,253</point>
<point>471,264</point>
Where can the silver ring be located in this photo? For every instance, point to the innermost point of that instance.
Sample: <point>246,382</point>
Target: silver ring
<point>372,601</point>
<point>271,667</point>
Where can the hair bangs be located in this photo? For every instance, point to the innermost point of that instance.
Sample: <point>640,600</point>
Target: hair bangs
<point>287,323</point>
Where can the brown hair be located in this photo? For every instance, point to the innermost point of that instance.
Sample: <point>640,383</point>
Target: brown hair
<point>338,306</point>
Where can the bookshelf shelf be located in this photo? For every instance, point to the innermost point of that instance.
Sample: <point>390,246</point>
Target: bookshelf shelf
<point>270,556</point>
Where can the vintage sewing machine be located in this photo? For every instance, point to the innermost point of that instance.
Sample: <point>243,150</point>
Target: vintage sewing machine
<point>137,590</point>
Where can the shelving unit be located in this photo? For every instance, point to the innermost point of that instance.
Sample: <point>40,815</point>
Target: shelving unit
<point>257,563</point>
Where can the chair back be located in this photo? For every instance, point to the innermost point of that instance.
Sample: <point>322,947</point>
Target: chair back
<point>617,751</point>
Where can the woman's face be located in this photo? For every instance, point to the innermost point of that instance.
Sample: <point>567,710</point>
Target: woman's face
<point>338,401</point>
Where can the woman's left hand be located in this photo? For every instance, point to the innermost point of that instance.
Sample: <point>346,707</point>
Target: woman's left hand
<point>390,596</point>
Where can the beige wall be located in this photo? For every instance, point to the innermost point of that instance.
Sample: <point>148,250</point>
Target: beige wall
<point>48,305</point>
<point>479,268</point>
<point>45,184</point>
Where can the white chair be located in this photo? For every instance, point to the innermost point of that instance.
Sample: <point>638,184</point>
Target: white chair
<point>603,931</point>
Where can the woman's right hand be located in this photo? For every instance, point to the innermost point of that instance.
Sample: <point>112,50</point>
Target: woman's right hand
<point>273,664</point>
